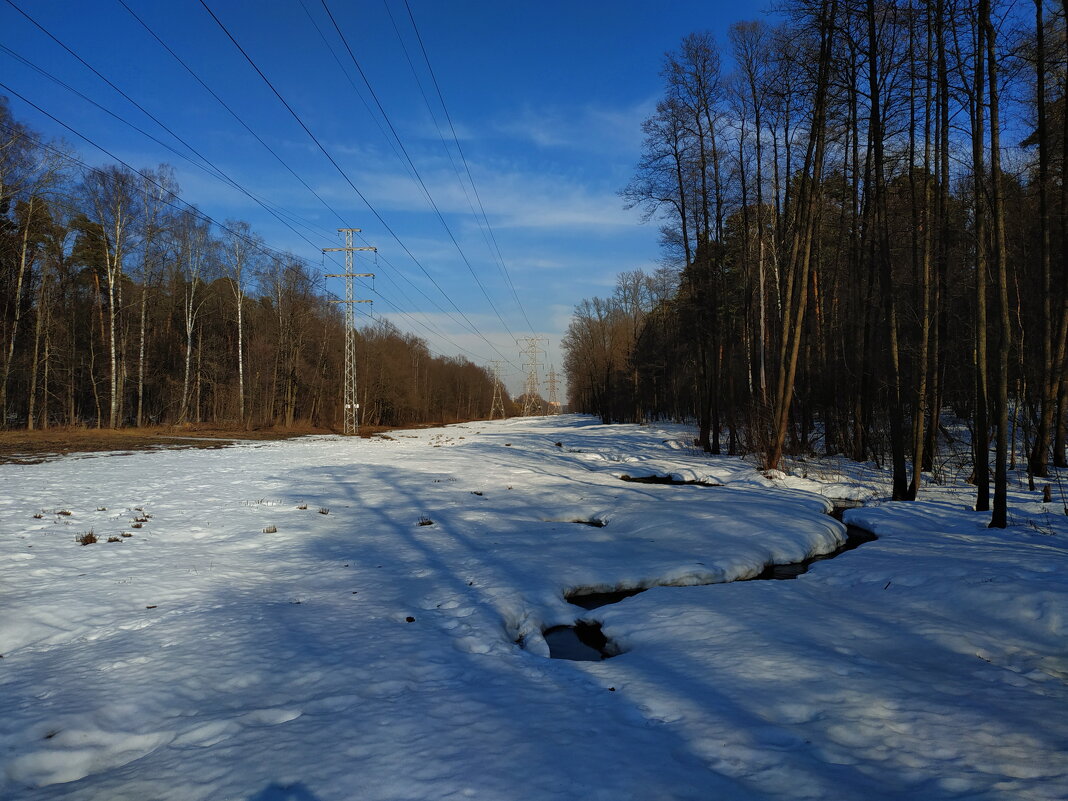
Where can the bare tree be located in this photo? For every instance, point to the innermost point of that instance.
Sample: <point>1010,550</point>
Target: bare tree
<point>192,260</point>
<point>241,246</point>
<point>112,195</point>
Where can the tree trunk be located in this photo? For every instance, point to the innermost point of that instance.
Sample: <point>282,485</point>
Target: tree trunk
<point>980,442</point>
<point>20,276</point>
<point>999,517</point>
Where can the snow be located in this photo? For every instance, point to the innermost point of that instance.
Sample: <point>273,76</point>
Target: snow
<point>355,653</point>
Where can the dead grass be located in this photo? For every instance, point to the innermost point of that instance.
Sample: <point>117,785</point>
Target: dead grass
<point>88,538</point>
<point>31,447</point>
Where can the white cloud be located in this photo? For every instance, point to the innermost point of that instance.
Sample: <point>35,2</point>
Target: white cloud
<point>512,197</point>
<point>591,127</point>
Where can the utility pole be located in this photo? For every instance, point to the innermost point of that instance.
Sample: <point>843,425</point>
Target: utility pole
<point>352,405</point>
<point>498,398</point>
<point>551,385</point>
<point>531,407</point>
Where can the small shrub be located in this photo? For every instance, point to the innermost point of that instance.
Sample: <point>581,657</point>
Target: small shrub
<point>302,506</point>
<point>101,508</point>
<point>64,512</point>
<point>38,516</point>
<point>125,534</point>
<point>270,530</point>
<point>475,492</point>
<point>114,539</point>
<point>425,521</point>
<point>323,510</point>
<point>88,538</point>
<point>136,525</point>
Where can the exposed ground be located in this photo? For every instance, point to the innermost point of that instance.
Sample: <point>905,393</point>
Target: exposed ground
<point>32,447</point>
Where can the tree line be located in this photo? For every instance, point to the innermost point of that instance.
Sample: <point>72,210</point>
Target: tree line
<point>124,306</point>
<point>864,226</point>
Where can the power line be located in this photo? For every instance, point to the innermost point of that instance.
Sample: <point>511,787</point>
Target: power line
<point>214,172</point>
<point>208,165</point>
<point>188,207</point>
<point>233,113</point>
<point>280,160</point>
<point>470,177</point>
<point>98,74</point>
<point>415,169</point>
<point>344,175</point>
<point>486,233</point>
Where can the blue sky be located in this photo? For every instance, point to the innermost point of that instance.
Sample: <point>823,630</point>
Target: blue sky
<point>546,99</point>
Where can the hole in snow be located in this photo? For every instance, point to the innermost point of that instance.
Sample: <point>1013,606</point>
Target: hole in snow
<point>582,642</point>
<point>589,599</point>
<point>667,480</point>
<point>841,504</point>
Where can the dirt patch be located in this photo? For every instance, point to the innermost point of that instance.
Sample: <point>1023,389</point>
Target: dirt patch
<point>31,447</point>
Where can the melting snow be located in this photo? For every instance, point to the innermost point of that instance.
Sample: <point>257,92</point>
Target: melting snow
<point>357,654</point>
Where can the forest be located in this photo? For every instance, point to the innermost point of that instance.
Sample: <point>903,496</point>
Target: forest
<point>124,306</point>
<point>863,226</point>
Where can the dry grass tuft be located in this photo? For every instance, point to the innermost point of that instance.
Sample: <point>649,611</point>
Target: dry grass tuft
<point>88,538</point>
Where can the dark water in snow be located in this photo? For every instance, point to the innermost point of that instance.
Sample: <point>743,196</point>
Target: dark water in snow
<point>855,538</point>
<point>592,600</point>
<point>582,642</point>
<point>678,482</point>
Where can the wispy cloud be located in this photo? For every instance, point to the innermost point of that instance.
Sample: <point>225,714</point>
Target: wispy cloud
<point>512,197</point>
<point>591,127</point>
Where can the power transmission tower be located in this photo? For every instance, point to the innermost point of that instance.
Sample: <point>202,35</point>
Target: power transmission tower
<point>352,405</point>
<point>531,401</point>
<point>498,398</point>
<point>551,385</point>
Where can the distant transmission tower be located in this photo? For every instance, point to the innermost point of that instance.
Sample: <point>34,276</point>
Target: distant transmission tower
<point>498,397</point>
<point>551,385</point>
<point>351,398</point>
<point>531,402</point>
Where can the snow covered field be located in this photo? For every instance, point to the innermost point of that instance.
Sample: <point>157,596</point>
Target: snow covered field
<point>353,653</point>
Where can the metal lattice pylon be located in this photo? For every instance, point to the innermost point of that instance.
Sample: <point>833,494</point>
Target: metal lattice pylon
<point>352,405</point>
<point>531,401</point>
<point>552,385</point>
<point>498,397</point>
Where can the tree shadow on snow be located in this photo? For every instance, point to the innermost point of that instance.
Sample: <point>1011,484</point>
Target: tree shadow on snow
<point>289,792</point>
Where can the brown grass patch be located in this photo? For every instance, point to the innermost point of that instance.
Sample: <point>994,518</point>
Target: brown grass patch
<point>31,447</point>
